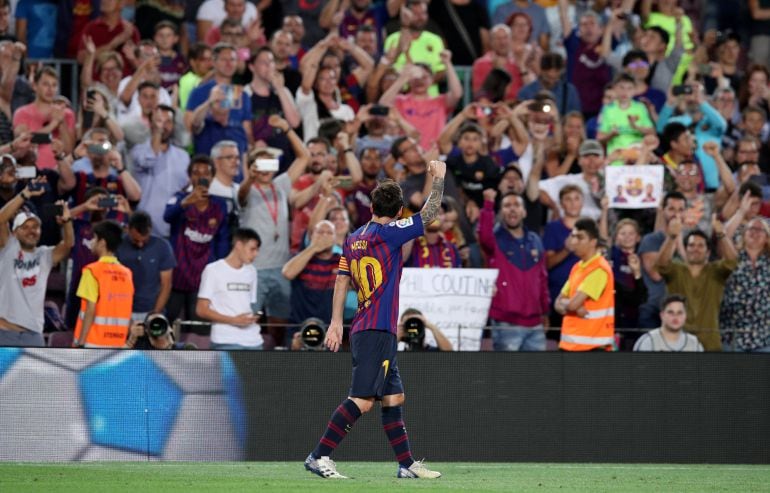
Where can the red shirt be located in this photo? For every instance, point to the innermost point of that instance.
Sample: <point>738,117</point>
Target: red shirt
<point>484,65</point>
<point>428,115</point>
<point>34,120</point>
<point>101,34</point>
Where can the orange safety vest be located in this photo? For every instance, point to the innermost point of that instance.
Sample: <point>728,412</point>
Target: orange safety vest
<point>597,329</point>
<point>112,316</point>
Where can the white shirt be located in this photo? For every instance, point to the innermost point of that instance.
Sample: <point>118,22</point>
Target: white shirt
<point>134,109</point>
<point>230,194</point>
<point>552,186</point>
<point>214,11</point>
<point>24,276</point>
<point>231,292</point>
<point>309,110</point>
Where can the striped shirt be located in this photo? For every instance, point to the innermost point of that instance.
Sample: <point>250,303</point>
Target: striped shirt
<point>443,253</point>
<point>372,258</point>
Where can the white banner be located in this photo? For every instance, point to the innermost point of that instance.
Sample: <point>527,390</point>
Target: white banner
<point>634,187</point>
<point>456,300</point>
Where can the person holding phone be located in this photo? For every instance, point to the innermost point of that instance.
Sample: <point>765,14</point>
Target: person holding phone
<point>46,118</point>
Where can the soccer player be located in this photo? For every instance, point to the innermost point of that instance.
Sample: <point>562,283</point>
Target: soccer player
<point>372,258</point>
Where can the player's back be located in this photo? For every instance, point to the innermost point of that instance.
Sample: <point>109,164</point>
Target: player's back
<point>373,257</point>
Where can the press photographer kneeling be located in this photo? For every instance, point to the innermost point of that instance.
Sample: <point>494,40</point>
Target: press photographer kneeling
<point>411,333</point>
<point>155,332</point>
<point>310,336</point>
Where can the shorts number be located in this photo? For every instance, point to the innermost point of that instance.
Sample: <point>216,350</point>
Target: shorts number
<point>367,272</point>
<point>386,365</point>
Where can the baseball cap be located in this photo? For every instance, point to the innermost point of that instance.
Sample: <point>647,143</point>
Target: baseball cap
<point>591,146</point>
<point>23,217</point>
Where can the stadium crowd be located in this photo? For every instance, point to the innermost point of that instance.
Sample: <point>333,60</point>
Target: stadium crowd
<point>235,144</point>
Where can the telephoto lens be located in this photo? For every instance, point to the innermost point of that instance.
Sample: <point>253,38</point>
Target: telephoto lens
<point>156,325</point>
<point>312,332</point>
<point>414,330</point>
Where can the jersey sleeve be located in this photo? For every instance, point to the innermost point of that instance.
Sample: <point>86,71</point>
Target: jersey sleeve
<point>343,268</point>
<point>399,232</point>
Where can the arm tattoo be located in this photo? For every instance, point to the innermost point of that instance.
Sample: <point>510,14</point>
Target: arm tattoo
<point>431,208</point>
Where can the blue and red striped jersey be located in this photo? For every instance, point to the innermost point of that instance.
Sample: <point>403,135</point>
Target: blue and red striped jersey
<point>372,257</point>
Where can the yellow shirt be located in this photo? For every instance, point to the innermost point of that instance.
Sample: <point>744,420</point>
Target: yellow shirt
<point>593,285</point>
<point>425,49</point>
<point>88,289</point>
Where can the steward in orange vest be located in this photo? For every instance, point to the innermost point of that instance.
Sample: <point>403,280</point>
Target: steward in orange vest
<point>107,292</point>
<point>587,300</point>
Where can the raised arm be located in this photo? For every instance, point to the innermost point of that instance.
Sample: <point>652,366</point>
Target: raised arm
<point>454,87</point>
<point>669,245</point>
<point>437,172</point>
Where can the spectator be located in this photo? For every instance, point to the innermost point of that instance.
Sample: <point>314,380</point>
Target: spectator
<point>724,72</point>
<point>348,21</point>
<point>464,26</point>
<point>212,12</point>
<point>109,32</point>
<point>106,290</point>
<point>218,109</point>
<point>663,64</point>
<point>47,116</point>
<point>245,42</point>
<point>85,216</point>
<point>749,199</point>
<point>671,18</point>
<point>563,159</point>
<point>358,202</point>
<point>551,79</point>
<point>527,53</point>
<point>109,72</point>
<point>36,27</point>
<point>96,111</point>
<point>172,64</point>
<point>587,70</point>
<point>227,169</point>
<point>107,171</point>
<point>147,74</point>
<point>624,122</point>
<point>269,96</point>
<point>352,73</point>
<point>589,181</point>
<point>228,292</point>
<point>367,39</point>
<point>281,44</point>
<point>637,65</point>
<point>413,43</point>
<point>151,262</point>
<point>16,90</point>
<point>540,32</point>
<point>199,235</point>
<point>700,280</point>
<point>160,168</point>
<point>24,268</point>
<point>521,302</point>
<point>312,273</point>
<point>670,336</point>
<point>673,206</point>
<point>422,343</point>
<point>744,317</point>
<point>6,27</point>
<point>500,55</point>
<point>587,300</point>
<point>432,249</point>
<point>200,69</point>
<point>294,25</point>
<point>377,128</point>
<point>759,25</point>
<point>418,107</point>
<point>150,13</point>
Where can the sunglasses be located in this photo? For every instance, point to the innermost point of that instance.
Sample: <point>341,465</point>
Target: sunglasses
<point>638,64</point>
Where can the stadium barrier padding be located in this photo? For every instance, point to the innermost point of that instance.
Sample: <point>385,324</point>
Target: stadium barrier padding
<point>62,404</point>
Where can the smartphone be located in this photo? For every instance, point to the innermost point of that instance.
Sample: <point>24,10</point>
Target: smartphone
<point>108,202</point>
<point>344,181</point>
<point>40,138</point>
<point>379,110</point>
<point>681,90</point>
<point>35,186</point>
<point>540,106</point>
<point>267,164</point>
<point>26,172</point>
<point>53,210</point>
<point>204,182</point>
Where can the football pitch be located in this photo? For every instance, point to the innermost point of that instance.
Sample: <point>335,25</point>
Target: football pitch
<point>374,477</point>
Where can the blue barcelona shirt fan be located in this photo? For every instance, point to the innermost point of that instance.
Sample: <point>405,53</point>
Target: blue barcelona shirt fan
<point>372,258</point>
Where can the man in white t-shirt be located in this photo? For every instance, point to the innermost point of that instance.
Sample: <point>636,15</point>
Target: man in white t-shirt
<point>227,293</point>
<point>24,269</point>
<point>590,180</point>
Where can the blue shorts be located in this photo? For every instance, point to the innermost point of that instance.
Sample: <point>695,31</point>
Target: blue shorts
<point>375,371</point>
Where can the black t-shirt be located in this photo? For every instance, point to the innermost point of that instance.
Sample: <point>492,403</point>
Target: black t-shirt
<point>473,18</point>
<point>474,178</point>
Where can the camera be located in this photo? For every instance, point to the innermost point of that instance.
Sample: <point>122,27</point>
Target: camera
<point>312,332</point>
<point>414,330</point>
<point>379,110</point>
<point>156,325</point>
<point>99,149</point>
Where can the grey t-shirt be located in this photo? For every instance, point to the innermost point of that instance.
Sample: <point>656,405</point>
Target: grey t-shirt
<point>256,214</point>
<point>654,341</point>
<point>24,279</point>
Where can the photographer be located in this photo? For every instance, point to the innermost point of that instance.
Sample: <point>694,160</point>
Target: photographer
<point>154,332</point>
<point>411,333</point>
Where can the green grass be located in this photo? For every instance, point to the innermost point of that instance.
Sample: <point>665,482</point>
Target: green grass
<point>377,477</point>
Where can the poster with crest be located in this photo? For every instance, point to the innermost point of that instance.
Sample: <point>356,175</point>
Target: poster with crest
<point>634,187</point>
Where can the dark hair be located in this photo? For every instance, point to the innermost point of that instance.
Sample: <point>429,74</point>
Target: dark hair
<point>220,47</point>
<point>319,140</point>
<point>366,28</point>
<point>671,132</point>
<point>93,191</point>
<point>673,298</point>
<point>634,55</point>
<point>664,36</point>
<point>111,233</point>
<point>387,199</point>
<point>751,187</point>
<point>260,50</point>
<point>470,127</point>
<point>696,232</point>
<point>754,109</point>
<point>46,70</point>
<point>675,195</point>
<point>569,188</point>
<point>494,85</point>
<point>141,222</point>
<point>197,50</point>
<point>245,235</point>
<point>201,159</point>
<point>160,25</point>
<point>512,194</point>
<point>165,107</point>
<point>623,77</point>
<point>146,84</point>
<point>588,226</point>
<point>551,60</point>
<point>329,128</point>
<point>411,311</point>
<point>395,148</point>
